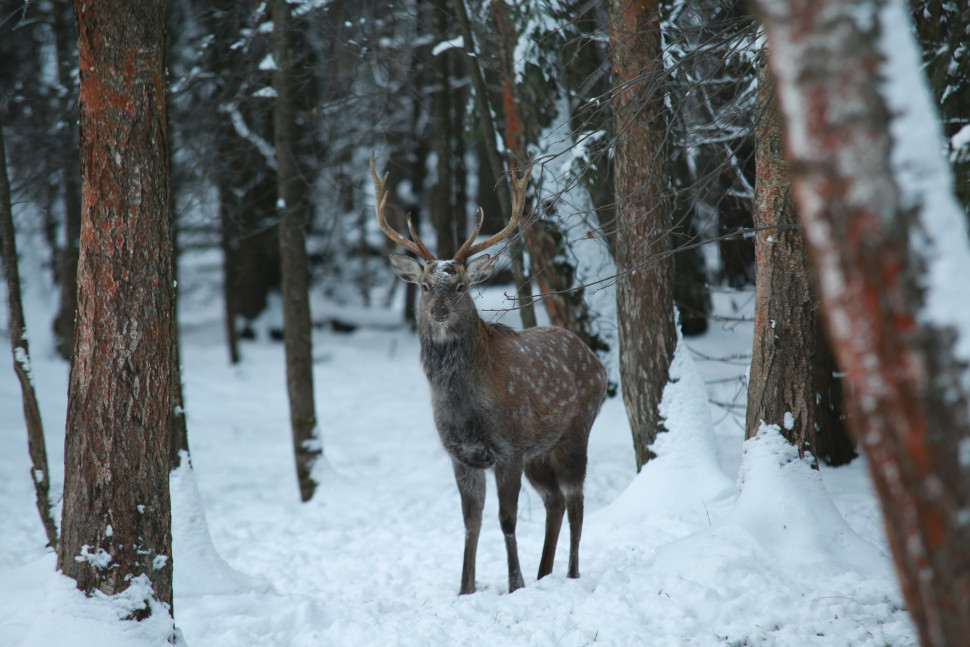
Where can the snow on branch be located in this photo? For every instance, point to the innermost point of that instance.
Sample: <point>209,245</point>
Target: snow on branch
<point>242,129</point>
<point>457,42</point>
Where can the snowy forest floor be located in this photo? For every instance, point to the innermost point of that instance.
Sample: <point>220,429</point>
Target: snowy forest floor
<point>718,542</point>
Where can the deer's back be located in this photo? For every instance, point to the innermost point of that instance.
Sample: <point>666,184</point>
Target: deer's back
<point>545,377</point>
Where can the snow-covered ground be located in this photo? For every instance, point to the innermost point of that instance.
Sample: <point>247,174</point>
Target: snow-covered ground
<point>717,542</point>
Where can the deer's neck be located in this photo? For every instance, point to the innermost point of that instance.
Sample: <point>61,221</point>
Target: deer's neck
<point>446,358</point>
<point>456,367</point>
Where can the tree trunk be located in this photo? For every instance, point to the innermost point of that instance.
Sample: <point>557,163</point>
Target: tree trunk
<point>292,207</point>
<point>791,382</point>
<point>242,175</point>
<point>691,295</point>
<point>443,209</point>
<point>834,442</point>
<point>644,287</point>
<point>229,242</point>
<point>36,446</point>
<point>70,187</point>
<point>522,282</point>
<point>891,251</point>
<point>116,524</point>
<point>544,241</point>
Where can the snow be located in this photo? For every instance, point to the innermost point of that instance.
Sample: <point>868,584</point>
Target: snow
<point>960,141</point>
<point>789,420</point>
<point>62,615</point>
<point>455,43</point>
<point>926,183</point>
<point>716,542</point>
<point>266,92</point>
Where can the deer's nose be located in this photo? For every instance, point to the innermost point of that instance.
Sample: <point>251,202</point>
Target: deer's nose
<point>440,313</point>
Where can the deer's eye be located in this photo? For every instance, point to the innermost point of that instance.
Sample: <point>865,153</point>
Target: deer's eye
<point>425,287</point>
<point>460,287</point>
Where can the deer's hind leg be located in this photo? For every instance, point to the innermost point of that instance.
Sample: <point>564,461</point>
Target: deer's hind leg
<point>572,475</point>
<point>471,487</point>
<point>508,478</point>
<point>542,476</point>
<point>574,508</point>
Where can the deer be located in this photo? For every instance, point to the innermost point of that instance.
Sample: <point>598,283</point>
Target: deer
<point>507,400</point>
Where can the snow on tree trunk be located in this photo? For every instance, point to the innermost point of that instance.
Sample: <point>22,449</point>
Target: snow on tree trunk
<point>544,240</point>
<point>291,205</point>
<point>644,290</point>
<point>116,527</point>
<point>890,247</point>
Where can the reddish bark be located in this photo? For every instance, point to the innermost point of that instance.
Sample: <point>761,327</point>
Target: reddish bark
<point>644,289</point>
<point>543,240</point>
<point>116,497</point>
<point>780,380</point>
<point>791,381</point>
<point>487,124</point>
<point>908,404</point>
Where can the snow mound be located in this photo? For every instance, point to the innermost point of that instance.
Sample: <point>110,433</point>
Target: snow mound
<point>783,505</point>
<point>68,617</point>
<point>686,474</point>
<point>199,569</point>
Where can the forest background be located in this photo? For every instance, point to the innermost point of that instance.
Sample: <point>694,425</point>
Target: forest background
<point>661,173</point>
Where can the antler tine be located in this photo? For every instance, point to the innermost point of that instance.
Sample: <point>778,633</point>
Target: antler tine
<point>465,250</point>
<point>380,199</point>
<point>426,253</point>
<point>518,204</point>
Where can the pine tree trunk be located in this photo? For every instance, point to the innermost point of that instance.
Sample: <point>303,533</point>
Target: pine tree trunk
<point>229,242</point>
<point>292,207</point>
<point>70,186</point>
<point>780,385</point>
<point>644,290</point>
<point>36,447</point>
<point>873,239</point>
<point>443,210</point>
<point>544,241</point>
<point>792,381</point>
<point>834,442</point>
<point>117,514</point>
<point>522,281</point>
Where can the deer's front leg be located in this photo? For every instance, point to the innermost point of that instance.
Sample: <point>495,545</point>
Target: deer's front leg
<point>508,478</point>
<point>471,487</point>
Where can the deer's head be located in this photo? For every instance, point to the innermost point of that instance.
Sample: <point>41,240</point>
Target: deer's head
<point>445,283</point>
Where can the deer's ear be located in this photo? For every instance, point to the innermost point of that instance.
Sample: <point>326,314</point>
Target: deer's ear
<point>406,267</point>
<point>480,268</point>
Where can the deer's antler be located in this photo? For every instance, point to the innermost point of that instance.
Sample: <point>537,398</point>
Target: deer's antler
<point>380,199</point>
<point>518,204</point>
